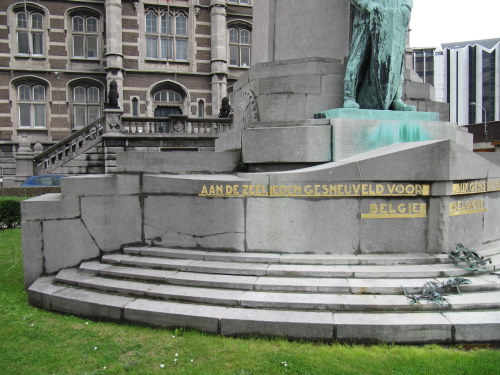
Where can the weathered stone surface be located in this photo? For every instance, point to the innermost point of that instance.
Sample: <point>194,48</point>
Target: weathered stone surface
<point>173,315</point>
<point>41,291</point>
<point>32,251</point>
<point>391,327</point>
<point>293,84</point>
<point>192,222</point>
<point>66,243</point>
<point>281,107</point>
<point>291,324</point>
<point>177,162</point>
<point>90,304</point>
<point>392,235</point>
<point>491,226</point>
<point>49,207</point>
<point>198,295</point>
<point>228,268</point>
<point>215,281</point>
<point>301,225</point>
<point>96,185</point>
<point>112,221</point>
<point>137,273</point>
<point>300,270</point>
<point>301,284</point>
<point>295,301</point>
<point>475,326</point>
<point>187,184</point>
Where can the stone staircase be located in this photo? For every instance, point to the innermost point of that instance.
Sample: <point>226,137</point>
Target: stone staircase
<point>347,298</point>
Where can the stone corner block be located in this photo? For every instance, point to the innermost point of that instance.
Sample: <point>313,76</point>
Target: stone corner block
<point>92,185</point>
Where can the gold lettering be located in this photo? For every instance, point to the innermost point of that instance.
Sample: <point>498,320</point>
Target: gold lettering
<point>379,189</point>
<point>204,190</point>
<point>374,208</point>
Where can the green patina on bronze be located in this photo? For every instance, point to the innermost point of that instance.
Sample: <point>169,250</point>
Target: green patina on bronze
<point>374,74</point>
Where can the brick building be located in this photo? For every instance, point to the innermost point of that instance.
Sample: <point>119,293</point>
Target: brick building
<point>58,57</point>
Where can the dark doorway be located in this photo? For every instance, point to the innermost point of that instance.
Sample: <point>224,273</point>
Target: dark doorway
<point>163,111</point>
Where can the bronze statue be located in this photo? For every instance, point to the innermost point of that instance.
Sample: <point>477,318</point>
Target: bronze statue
<point>113,94</point>
<point>374,74</point>
<point>225,109</point>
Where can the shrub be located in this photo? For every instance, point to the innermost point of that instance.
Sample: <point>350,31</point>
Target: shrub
<point>10,213</point>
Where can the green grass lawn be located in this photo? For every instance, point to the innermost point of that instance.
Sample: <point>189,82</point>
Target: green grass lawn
<point>34,341</point>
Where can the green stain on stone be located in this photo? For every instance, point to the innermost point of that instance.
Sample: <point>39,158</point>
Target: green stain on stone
<point>390,133</point>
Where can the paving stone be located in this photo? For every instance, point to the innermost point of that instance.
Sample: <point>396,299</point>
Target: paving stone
<point>385,286</point>
<point>474,301</point>
<point>329,285</point>
<point>243,257</point>
<point>309,270</point>
<point>165,253</point>
<point>93,267</point>
<point>478,283</point>
<point>114,258</point>
<point>477,326</point>
<point>137,273</point>
<point>89,304</point>
<point>164,263</point>
<point>124,287</point>
<point>291,324</point>
<point>230,268</point>
<point>213,280</point>
<point>382,303</point>
<point>392,259</point>
<point>174,315</point>
<point>401,271</point>
<point>40,292</point>
<point>293,301</point>
<point>198,295</point>
<point>409,328</point>
<point>319,259</point>
<point>450,270</point>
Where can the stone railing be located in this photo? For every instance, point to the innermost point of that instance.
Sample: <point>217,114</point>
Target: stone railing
<point>175,124</point>
<point>70,145</point>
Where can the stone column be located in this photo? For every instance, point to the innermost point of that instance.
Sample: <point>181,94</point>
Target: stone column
<point>114,55</point>
<point>24,160</point>
<point>219,53</point>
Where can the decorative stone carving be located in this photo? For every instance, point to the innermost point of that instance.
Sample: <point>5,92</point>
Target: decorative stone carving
<point>246,110</point>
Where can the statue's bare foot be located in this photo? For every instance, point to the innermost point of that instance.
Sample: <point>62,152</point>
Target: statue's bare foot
<point>349,103</point>
<point>398,105</point>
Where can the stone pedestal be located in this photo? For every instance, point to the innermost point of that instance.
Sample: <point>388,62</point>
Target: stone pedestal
<point>24,161</point>
<point>113,119</point>
<point>340,134</point>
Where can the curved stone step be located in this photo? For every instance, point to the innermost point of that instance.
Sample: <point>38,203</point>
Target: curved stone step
<point>276,258</point>
<point>481,282</point>
<point>275,300</point>
<point>290,270</point>
<point>405,327</point>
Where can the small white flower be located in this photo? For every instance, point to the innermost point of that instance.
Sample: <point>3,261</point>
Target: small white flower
<point>176,354</point>
<point>104,368</point>
<point>192,360</point>
<point>173,337</point>
<point>95,347</point>
<point>87,323</point>
<point>162,365</point>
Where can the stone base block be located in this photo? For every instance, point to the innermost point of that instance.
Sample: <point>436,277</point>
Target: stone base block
<point>297,144</point>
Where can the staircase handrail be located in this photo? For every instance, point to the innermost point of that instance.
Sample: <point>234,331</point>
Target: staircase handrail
<point>69,138</point>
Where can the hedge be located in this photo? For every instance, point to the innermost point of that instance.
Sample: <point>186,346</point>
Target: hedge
<point>10,213</point>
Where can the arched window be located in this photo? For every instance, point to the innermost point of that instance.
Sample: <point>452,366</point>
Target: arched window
<point>167,96</point>
<point>32,104</point>
<point>85,34</point>
<point>135,107</point>
<point>239,47</point>
<point>166,35</point>
<point>201,108</point>
<point>29,31</point>
<point>242,2</point>
<point>86,105</point>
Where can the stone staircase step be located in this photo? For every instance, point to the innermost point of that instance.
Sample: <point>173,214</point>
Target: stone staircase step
<point>289,270</point>
<point>272,258</point>
<point>273,300</point>
<point>401,327</point>
<point>480,282</point>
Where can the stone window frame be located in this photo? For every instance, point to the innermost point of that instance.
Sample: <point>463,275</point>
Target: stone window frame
<point>17,101</point>
<point>85,13</point>
<point>135,106</point>
<point>182,90</point>
<point>12,23</point>
<point>239,26</point>
<point>201,108</point>
<point>240,2</point>
<point>86,84</point>
<point>173,35</point>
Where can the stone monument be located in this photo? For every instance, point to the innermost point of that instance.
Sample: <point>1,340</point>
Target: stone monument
<point>367,201</point>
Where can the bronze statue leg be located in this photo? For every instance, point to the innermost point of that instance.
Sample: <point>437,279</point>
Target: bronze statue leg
<point>357,56</point>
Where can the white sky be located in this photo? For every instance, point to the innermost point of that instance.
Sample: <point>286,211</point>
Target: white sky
<point>443,21</point>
